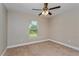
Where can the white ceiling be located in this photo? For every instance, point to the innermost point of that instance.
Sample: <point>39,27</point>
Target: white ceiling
<point>27,7</point>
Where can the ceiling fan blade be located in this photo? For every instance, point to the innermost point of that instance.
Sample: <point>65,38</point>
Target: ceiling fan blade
<point>54,8</point>
<point>50,13</point>
<point>37,9</point>
<point>39,14</point>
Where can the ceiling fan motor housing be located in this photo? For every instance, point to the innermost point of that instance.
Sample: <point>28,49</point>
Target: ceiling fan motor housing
<point>45,9</point>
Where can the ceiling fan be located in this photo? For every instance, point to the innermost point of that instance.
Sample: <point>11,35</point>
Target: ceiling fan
<point>45,10</point>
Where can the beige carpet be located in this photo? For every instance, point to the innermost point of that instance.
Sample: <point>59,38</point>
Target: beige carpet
<point>42,49</point>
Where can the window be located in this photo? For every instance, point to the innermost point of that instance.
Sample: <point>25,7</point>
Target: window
<point>33,30</point>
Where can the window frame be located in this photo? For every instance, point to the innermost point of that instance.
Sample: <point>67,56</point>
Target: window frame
<point>29,29</point>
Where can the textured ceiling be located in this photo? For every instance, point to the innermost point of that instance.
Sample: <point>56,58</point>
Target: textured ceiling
<point>27,7</point>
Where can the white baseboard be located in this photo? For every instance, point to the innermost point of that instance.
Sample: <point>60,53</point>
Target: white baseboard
<point>3,52</point>
<point>67,45</point>
<point>28,43</point>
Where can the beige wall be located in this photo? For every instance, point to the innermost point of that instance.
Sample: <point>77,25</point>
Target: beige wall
<point>18,28</point>
<point>65,27</point>
<point>3,28</point>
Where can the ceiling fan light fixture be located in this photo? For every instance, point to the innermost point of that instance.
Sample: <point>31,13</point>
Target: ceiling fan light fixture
<point>45,12</point>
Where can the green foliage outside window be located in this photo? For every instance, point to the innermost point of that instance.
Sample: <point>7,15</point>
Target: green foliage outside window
<point>33,30</point>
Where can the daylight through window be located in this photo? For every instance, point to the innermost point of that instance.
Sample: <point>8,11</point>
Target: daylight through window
<point>33,30</point>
